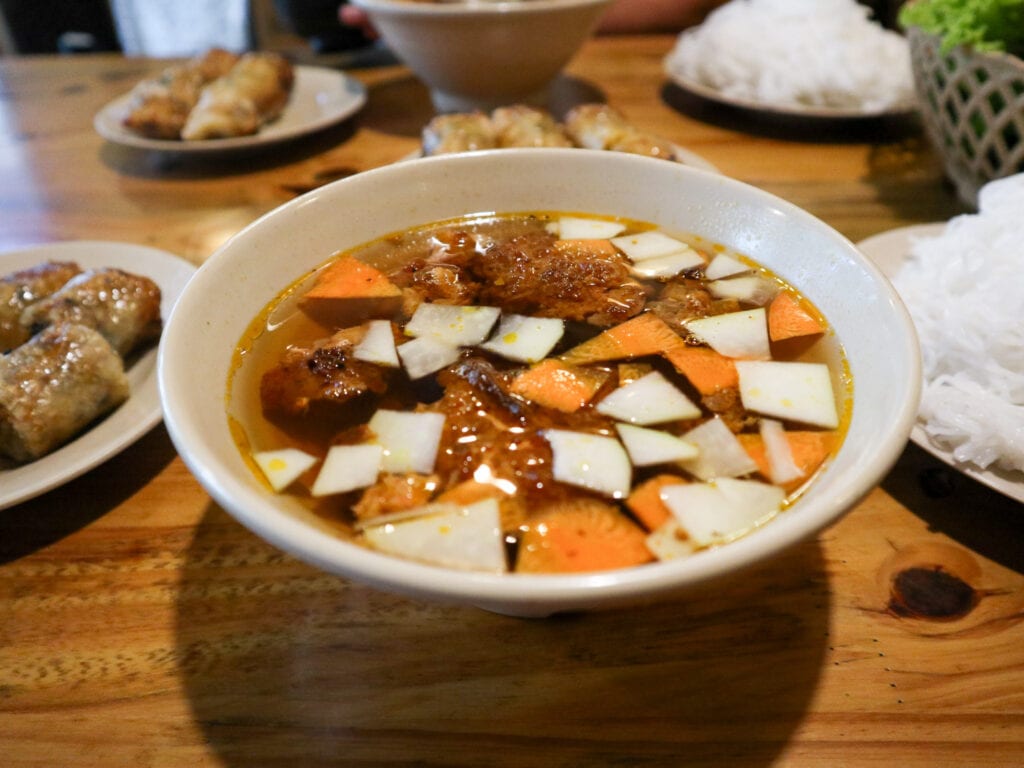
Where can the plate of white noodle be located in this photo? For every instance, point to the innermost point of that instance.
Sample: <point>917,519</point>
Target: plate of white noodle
<point>805,58</point>
<point>961,282</point>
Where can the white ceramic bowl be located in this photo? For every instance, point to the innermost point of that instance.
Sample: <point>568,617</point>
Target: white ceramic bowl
<point>258,263</point>
<point>482,54</point>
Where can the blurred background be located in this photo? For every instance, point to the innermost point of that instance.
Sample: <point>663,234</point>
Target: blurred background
<point>168,28</point>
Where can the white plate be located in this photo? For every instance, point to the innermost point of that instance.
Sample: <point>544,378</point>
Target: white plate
<point>141,411</point>
<point>320,97</point>
<point>889,250</point>
<point>780,110</point>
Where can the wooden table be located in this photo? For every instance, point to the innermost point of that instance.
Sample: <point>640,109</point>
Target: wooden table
<point>141,626</point>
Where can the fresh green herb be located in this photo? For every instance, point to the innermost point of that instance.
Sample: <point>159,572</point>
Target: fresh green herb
<point>984,25</point>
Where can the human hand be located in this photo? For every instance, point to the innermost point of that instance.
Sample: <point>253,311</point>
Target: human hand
<point>351,16</point>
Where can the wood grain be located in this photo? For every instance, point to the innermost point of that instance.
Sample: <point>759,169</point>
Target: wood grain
<point>141,626</point>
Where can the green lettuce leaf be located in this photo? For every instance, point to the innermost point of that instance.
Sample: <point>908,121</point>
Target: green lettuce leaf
<point>984,25</point>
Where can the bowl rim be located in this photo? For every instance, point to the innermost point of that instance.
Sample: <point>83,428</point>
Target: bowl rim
<point>447,8</point>
<point>525,593</point>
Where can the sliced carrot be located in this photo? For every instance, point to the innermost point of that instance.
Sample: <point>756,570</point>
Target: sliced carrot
<point>554,384</point>
<point>706,369</point>
<point>645,334</point>
<point>595,247</point>
<point>809,449</point>
<point>787,319</point>
<point>349,289</point>
<point>586,535</point>
<point>645,501</point>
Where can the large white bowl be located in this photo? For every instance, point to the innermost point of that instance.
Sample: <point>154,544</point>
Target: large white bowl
<point>482,54</point>
<point>259,262</point>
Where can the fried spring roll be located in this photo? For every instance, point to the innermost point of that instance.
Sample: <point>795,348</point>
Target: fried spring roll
<point>53,386</point>
<point>520,125</point>
<point>20,289</point>
<point>459,132</point>
<point>123,307</point>
<point>252,94</point>
<point>159,107</point>
<point>599,126</point>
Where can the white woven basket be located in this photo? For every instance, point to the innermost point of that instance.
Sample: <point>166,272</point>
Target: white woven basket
<point>973,109</point>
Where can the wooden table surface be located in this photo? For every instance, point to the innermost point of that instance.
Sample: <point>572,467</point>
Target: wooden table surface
<point>141,626</point>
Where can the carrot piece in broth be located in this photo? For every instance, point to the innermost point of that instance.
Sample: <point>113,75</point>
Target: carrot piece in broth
<point>349,289</point>
<point>555,384</point>
<point>588,535</point>
<point>809,449</point>
<point>787,319</point>
<point>706,369</point>
<point>645,334</point>
<point>645,501</point>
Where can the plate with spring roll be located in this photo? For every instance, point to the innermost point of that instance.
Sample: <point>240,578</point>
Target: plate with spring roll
<point>317,98</point>
<point>585,126</point>
<point>119,373</point>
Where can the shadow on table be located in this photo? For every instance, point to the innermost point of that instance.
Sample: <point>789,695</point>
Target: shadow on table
<point>39,522</point>
<point>979,518</point>
<point>788,127</point>
<point>285,665</point>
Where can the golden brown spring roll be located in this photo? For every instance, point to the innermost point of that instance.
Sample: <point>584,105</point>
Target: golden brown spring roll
<point>599,126</point>
<point>459,132</point>
<point>520,125</point>
<point>20,289</point>
<point>159,107</point>
<point>41,410</point>
<point>124,308</point>
<point>252,94</point>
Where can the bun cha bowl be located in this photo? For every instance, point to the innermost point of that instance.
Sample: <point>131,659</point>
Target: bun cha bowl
<point>481,54</point>
<point>538,380</point>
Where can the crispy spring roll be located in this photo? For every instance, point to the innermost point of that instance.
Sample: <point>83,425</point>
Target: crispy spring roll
<point>599,126</point>
<point>20,289</point>
<point>53,386</point>
<point>251,94</point>
<point>159,107</point>
<point>123,307</point>
<point>459,132</point>
<point>520,125</point>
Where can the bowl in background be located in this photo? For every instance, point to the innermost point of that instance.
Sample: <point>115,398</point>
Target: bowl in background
<point>479,54</point>
<point>258,263</point>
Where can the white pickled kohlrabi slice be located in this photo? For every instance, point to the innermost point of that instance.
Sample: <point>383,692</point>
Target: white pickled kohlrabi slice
<point>425,355</point>
<point>589,461</point>
<point>648,245</point>
<point>647,447</point>
<point>742,334</point>
<point>751,288</point>
<point>378,345</point>
<point>651,399</point>
<point>793,391</point>
<point>724,265</point>
<point>669,265</point>
<point>283,467</point>
<point>468,538</point>
<point>578,228</point>
<point>453,325</point>
<point>720,454</point>
<point>670,542</point>
<point>347,467</point>
<point>782,467</point>
<point>525,339</point>
<point>717,511</point>
<point>409,440</point>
